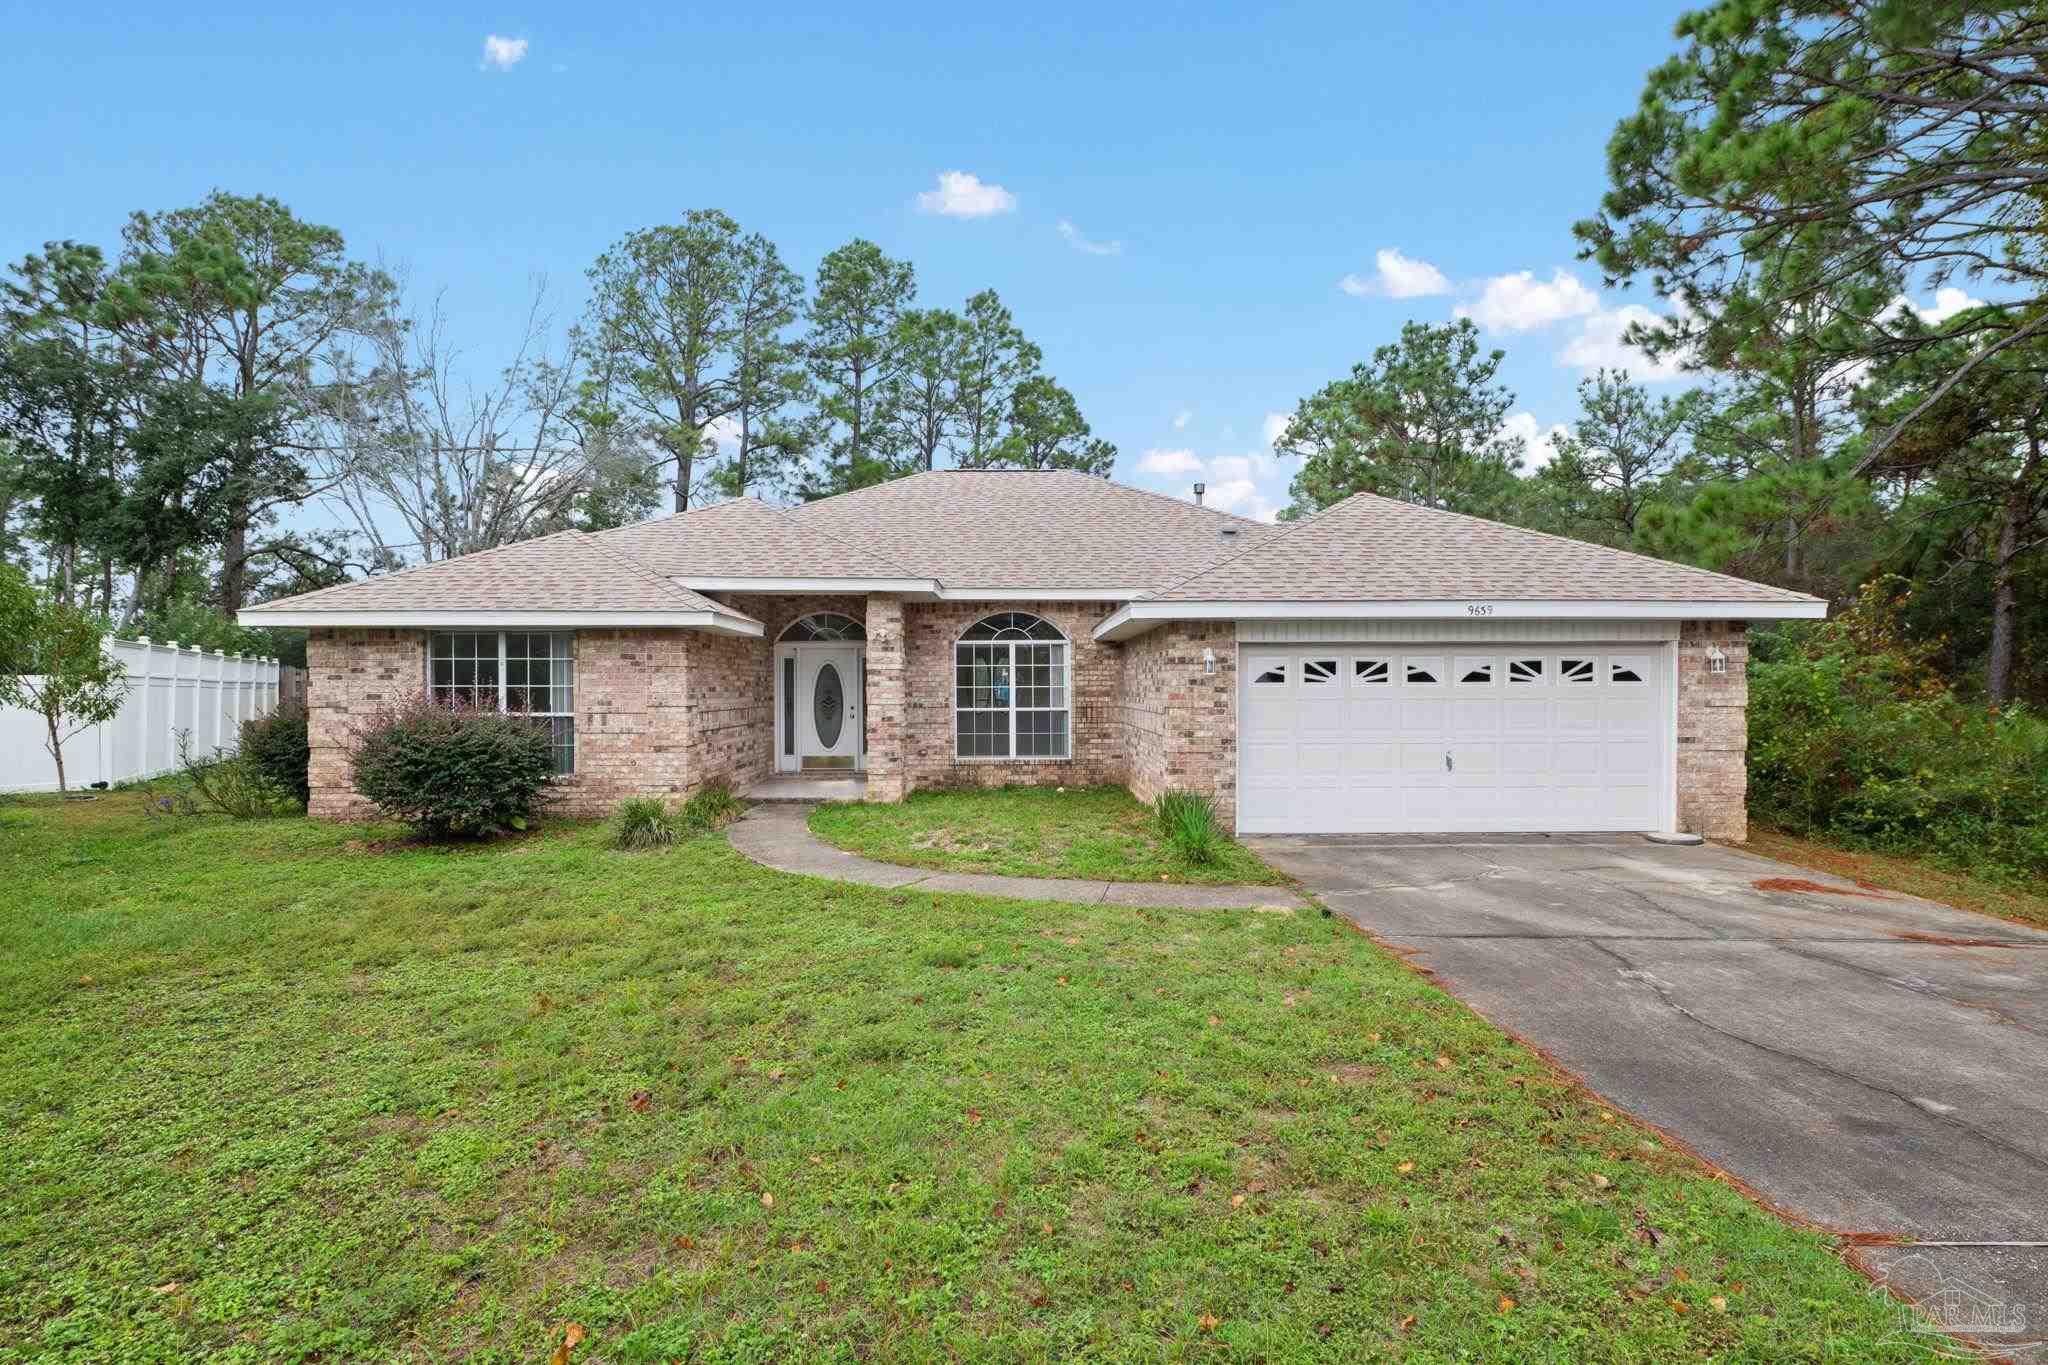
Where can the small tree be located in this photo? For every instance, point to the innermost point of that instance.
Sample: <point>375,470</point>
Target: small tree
<point>52,662</point>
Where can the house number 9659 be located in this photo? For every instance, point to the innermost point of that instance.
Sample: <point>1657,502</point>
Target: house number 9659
<point>1479,608</point>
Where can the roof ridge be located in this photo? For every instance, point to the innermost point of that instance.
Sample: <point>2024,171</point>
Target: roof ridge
<point>1164,497</point>
<point>1301,525</point>
<point>1583,544</point>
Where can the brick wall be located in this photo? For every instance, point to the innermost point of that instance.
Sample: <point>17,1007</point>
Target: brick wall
<point>888,682</point>
<point>1179,723</point>
<point>350,675</point>
<point>659,712</point>
<point>1713,731</point>
<point>1095,732</point>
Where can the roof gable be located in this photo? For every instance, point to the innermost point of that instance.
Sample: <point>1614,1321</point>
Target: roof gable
<point>1373,549</point>
<point>567,571</point>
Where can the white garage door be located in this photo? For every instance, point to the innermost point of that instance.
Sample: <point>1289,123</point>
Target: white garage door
<point>1464,737</point>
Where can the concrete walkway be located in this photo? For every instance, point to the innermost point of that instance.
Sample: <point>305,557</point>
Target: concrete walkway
<point>778,835</point>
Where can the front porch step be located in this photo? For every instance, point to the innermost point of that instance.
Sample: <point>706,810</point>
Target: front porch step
<point>808,788</point>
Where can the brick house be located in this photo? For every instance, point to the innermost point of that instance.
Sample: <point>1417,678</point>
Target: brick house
<point>1376,667</point>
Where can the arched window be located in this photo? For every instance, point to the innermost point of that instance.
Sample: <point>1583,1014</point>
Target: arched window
<point>1011,693</point>
<point>824,625</point>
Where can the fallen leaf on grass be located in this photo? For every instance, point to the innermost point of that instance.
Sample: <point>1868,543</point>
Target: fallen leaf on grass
<point>767,1200</point>
<point>1214,1020</point>
<point>1208,1322</point>
<point>1443,1063</point>
<point>1237,1201</point>
<point>640,1102</point>
<point>169,1288</point>
<point>1601,1182</point>
<point>1506,1304</point>
<point>1407,1322</point>
<point>1679,1306</point>
<point>1405,1167</point>
<point>974,1116</point>
<point>1372,1037</point>
<point>1718,1304</point>
<point>572,1337</point>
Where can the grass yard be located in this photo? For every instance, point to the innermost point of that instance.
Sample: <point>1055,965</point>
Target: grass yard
<point>1914,876</point>
<point>290,1091</point>
<point>1091,833</point>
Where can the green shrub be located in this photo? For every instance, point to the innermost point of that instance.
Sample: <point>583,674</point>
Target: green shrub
<point>1187,821</point>
<point>713,807</point>
<point>644,822</point>
<point>451,770</point>
<point>225,784</point>
<point>276,745</point>
<point>1854,737</point>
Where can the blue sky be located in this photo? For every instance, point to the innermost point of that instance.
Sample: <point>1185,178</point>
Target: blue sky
<point>1223,169</point>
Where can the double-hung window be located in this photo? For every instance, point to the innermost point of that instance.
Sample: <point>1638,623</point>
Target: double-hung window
<point>1011,692</point>
<point>533,673</point>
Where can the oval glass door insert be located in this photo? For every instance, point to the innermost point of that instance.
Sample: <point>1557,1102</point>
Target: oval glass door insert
<point>828,705</point>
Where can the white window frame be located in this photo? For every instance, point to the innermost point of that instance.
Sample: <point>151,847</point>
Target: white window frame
<point>568,657</point>
<point>1334,678</point>
<point>1063,668</point>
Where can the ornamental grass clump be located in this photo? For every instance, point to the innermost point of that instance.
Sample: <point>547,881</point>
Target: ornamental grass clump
<point>452,770</point>
<point>644,822</point>
<point>1187,822</point>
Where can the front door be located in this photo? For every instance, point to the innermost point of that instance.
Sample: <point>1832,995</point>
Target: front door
<point>827,710</point>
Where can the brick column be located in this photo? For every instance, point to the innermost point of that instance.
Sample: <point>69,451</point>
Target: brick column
<point>887,701</point>
<point>350,675</point>
<point>1713,731</point>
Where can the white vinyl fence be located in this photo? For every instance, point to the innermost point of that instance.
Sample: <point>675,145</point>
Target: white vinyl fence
<point>170,689</point>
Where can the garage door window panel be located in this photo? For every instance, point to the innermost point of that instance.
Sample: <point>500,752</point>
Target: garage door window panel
<point>1473,672</point>
<point>1371,673</point>
<point>1422,672</point>
<point>1526,672</point>
<point>1577,672</point>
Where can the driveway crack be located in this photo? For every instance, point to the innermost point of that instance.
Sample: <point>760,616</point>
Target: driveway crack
<point>1670,1001</point>
<point>1917,987</point>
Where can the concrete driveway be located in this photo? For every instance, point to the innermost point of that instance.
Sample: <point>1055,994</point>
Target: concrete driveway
<point>1874,1062</point>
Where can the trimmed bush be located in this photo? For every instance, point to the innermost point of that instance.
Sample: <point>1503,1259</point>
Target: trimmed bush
<point>276,745</point>
<point>1187,821</point>
<point>1855,738</point>
<point>452,770</point>
<point>642,822</point>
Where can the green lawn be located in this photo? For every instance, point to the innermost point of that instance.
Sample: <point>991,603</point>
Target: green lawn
<point>286,1090</point>
<point>1093,833</point>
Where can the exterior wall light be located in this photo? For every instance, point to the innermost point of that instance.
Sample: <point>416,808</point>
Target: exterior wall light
<point>1208,660</point>
<point>1717,661</point>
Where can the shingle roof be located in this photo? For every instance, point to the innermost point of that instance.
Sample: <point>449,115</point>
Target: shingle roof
<point>1374,549</point>
<point>1011,529</point>
<point>747,538</point>
<point>567,571</point>
<point>1031,530</point>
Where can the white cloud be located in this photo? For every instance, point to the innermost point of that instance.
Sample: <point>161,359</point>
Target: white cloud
<point>1539,447</point>
<point>725,434</point>
<point>1081,243</point>
<point>502,54</point>
<point>1948,301</point>
<point>963,195</point>
<point>1182,418</point>
<point>1599,345</point>
<point>1396,277</point>
<point>1273,427</point>
<point>1521,303</point>
<point>1167,463</point>
<point>1231,468</point>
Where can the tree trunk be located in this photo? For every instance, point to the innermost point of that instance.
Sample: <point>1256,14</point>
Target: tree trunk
<point>234,562</point>
<point>2005,600</point>
<point>56,751</point>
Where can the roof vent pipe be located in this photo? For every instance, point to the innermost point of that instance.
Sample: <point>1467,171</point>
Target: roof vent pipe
<point>1199,490</point>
